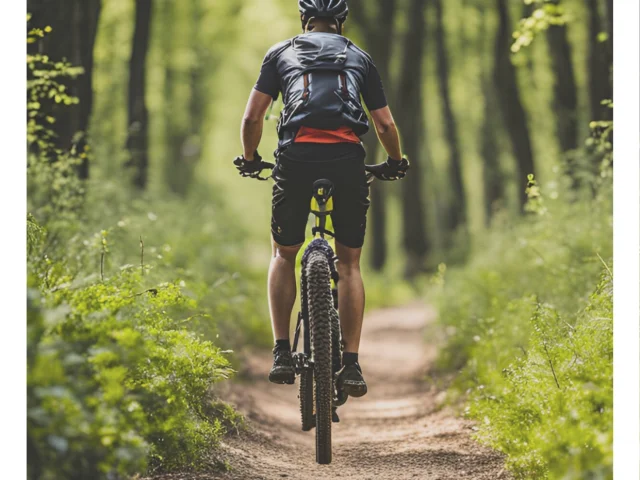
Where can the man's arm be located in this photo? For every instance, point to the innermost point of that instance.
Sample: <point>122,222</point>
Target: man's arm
<point>253,121</point>
<point>387,132</point>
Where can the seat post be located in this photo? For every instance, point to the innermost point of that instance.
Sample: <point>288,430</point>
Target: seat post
<point>322,205</point>
<point>321,223</point>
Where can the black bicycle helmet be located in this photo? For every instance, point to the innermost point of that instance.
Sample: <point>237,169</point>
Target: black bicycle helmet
<point>337,9</point>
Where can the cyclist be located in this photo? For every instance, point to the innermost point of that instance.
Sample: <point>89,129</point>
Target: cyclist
<point>321,76</point>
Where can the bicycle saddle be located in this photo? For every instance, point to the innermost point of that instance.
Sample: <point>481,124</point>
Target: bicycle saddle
<point>322,200</point>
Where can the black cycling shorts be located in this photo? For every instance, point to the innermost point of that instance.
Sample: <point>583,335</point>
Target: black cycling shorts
<point>297,168</point>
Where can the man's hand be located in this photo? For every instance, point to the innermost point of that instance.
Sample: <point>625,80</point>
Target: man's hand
<point>251,168</point>
<point>389,170</point>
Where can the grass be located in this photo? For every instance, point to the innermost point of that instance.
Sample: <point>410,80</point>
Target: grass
<point>528,325</point>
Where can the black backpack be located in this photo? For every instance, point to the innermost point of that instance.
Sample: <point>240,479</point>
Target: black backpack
<point>322,75</point>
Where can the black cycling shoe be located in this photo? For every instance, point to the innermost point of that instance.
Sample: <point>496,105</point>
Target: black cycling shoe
<point>350,381</point>
<point>334,416</point>
<point>282,371</point>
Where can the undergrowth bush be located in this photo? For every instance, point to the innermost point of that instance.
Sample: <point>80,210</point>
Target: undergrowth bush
<point>529,324</point>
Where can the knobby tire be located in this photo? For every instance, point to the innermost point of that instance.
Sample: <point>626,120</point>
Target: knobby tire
<point>320,303</point>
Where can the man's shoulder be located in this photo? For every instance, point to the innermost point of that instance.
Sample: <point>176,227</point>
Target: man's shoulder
<point>359,50</point>
<point>277,49</point>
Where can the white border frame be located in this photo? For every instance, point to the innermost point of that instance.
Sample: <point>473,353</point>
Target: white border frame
<point>626,241</point>
<point>13,248</point>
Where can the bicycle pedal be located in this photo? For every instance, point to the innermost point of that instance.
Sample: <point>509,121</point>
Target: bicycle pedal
<point>340,397</point>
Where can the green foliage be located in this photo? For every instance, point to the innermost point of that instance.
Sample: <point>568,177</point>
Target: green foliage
<point>601,143</point>
<point>124,335</point>
<point>553,415</point>
<point>532,338</point>
<point>545,14</point>
<point>128,297</point>
<point>593,166</point>
<point>116,381</point>
<point>53,184</point>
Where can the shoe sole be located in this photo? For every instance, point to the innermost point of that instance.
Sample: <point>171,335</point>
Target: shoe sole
<point>282,376</point>
<point>354,388</point>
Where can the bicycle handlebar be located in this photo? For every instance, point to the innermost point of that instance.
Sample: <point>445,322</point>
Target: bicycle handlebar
<point>271,166</point>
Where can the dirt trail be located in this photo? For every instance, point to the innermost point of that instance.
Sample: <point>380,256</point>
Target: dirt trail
<point>397,431</point>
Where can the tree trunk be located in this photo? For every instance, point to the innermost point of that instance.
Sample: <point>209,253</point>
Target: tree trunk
<point>527,11</point>
<point>183,131</point>
<point>457,211</point>
<point>138,115</point>
<point>565,96</point>
<point>513,113</point>
<point>88,26</point>
<point>600,84</point>
<point>193,144</point>
<point>378,45</point>
<point>377,212</point>
<point>74,26</point>
<point>492,174</point>
<point>609,15</point>
<point>410,121</point>
<point>173,136</point>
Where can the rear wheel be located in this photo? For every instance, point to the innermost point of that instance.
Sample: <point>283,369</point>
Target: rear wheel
<point>320,304</point>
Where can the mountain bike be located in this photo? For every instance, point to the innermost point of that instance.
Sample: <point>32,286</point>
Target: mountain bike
<point>318,325</point>
<point>320,359</point>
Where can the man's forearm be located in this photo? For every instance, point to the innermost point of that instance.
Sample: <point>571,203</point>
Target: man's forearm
<point>251,134</point>
<point>390,140</point>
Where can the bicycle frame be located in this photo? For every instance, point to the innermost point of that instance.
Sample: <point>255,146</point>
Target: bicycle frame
<point>321,207</point>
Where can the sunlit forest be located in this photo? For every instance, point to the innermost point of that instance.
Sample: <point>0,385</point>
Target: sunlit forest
<point>147,253</point>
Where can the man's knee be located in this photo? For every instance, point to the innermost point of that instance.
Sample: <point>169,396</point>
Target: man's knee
<point>288,254</point>
<point>348,259</point>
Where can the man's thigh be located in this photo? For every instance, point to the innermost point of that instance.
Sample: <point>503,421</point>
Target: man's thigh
<point>351,204</point>
<point>291,200</point>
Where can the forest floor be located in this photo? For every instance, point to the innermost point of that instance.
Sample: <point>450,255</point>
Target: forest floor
<point>400,430</point>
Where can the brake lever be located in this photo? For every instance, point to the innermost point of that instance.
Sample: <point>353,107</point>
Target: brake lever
<point>266,166</point>
<point>369,175</point>
<point>370,178</point>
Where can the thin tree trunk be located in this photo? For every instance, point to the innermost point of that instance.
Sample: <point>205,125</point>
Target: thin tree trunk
<point>88,27</point>
<point>513,113</point>
<point>527,11</point>
<point>565,91</point>
<point>600,86</point>
<point>377,212</point>
<point>493,176</point>
<point>193,147</point>
<point>609,15</point>
<point>457,215</point>
<point>378,45</point>
<point>173,136</point>
<point>138,115</point>
<point>410,120</point>
<point>183,132</point>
